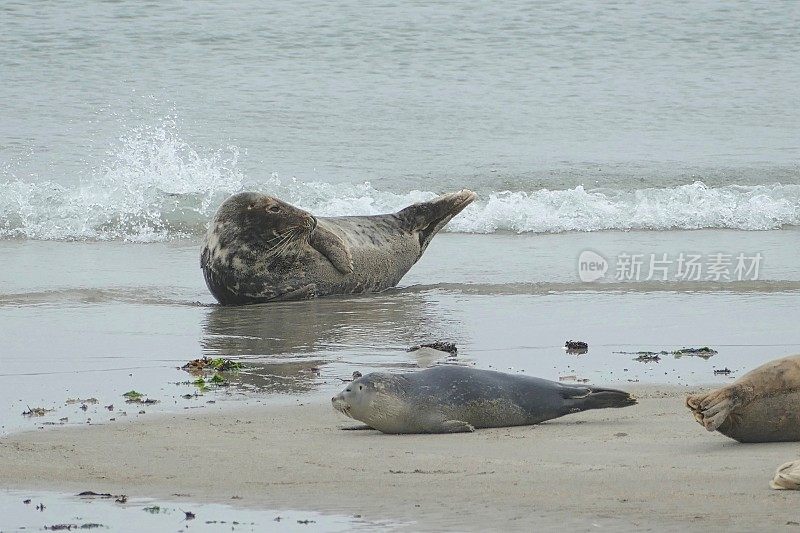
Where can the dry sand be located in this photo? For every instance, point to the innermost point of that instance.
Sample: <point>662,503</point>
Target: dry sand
<point>645,467</point>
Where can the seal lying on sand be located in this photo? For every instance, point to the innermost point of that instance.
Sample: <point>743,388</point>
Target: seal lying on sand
<point>260,249</point>
<point>453,399</point>
<point>761,406</point>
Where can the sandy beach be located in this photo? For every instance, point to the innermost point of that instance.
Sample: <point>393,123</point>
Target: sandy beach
<point>648,467</point>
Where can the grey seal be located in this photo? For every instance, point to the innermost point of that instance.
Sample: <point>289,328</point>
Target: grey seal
<point>761,406</point>
<point>454,399</point>
<point>261,249</point>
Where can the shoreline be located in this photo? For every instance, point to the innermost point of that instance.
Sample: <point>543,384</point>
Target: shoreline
<point>646,466</point>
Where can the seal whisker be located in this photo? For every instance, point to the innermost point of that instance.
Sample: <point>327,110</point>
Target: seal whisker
<point>285,240</point>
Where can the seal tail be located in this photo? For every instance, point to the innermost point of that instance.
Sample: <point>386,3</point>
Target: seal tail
<point>584,398</point>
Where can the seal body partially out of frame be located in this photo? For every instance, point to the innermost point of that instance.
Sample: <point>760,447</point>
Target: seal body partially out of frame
<point>761,406</point>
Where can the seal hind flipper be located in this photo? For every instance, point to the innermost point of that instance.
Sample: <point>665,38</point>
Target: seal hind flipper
<point>333,248</point>
<point>585,398</point>
<point>360,427</point>
<point>712,409</point>
<point>305,292</point>
<point>428,218</point>
<point>456,426</point>
<point>760,406</point>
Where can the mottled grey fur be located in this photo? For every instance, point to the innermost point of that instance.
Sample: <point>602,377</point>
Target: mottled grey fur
<point>451,399</point>
<point>260,249</point>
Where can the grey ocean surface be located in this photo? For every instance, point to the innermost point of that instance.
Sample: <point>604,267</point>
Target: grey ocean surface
<point>621,128</point>
<point>414,95</point>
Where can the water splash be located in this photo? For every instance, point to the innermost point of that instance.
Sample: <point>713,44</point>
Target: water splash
<point>153,187</point>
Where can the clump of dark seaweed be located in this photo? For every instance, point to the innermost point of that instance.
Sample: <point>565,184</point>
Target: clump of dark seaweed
<point>133,396</point>
<point>705,352</point>
<point>576,347</point>
<point>207,364</point>
<point>36,411</point>
<point>442,346</point>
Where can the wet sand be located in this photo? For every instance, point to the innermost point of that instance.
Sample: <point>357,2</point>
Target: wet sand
<point>645,467</point>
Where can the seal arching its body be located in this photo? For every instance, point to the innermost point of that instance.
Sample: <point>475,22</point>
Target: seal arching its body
<point>452,399</point>
<point>761,406</point>
<point>261,249</point>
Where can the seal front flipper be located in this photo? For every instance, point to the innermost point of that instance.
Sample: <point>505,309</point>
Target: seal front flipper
<point>455,426</point>
<point>303,293</point>
<point>333,248</point>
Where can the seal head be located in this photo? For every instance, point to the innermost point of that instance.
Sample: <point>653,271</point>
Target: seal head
<point>262,221</point>
<point>250,229</point>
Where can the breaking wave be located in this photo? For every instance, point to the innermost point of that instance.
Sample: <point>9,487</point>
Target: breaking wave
<point>156,187</point>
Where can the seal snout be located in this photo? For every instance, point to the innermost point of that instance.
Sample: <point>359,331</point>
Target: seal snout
<point>340,405</point>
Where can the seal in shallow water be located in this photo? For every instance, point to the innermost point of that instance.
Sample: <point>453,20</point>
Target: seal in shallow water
<point>453,399</point>
<point>260,249</point>
<point>761,406</point>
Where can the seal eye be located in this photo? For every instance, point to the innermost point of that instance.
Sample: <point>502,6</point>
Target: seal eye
<point>274,209</point>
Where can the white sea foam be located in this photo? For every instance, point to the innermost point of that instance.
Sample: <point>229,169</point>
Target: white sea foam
<point>690,206</point>
<point>155,187</point>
